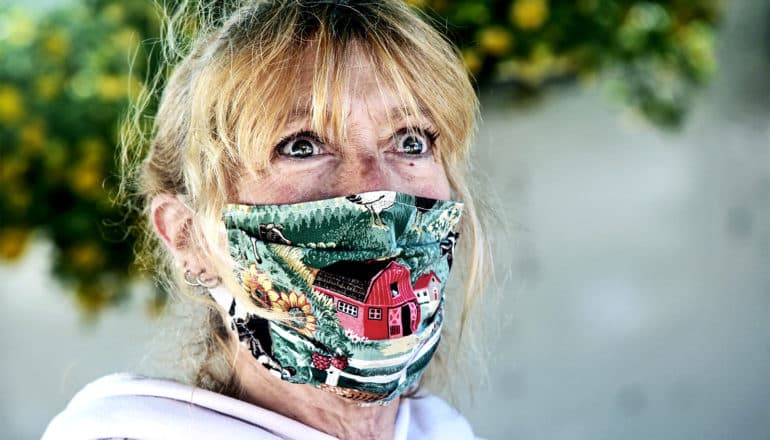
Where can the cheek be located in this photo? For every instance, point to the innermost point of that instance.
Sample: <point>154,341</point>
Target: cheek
<point>426,179</point>
<point>277,187</point>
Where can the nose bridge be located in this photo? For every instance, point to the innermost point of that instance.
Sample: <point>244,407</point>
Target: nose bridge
<point>362,171</point>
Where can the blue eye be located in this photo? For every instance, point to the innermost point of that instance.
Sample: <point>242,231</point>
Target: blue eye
<point>299,146</point>
<point>412,144</point>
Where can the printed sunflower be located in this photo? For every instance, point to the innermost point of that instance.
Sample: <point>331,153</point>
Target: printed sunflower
<point>256,283</point>
<point>297,307</point>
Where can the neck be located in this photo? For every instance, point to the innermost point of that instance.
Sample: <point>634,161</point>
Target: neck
<point>311,406</point>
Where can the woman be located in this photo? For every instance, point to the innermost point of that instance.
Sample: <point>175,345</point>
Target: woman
<point>304,162</point>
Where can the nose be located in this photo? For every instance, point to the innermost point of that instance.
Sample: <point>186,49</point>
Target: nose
<point>362,172</point>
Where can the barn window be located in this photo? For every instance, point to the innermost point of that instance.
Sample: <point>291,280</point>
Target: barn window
<point>394,289</point>
<point>347,308</point>
<point>375,313</point>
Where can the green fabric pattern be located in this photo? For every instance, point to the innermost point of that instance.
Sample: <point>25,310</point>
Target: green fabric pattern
<point>361,279</point>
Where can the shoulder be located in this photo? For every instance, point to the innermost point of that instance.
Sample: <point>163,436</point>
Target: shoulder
<point>131,406</point>
<point>430,417</point>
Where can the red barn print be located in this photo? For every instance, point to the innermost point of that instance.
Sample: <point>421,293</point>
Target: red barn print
<point>375,299</point>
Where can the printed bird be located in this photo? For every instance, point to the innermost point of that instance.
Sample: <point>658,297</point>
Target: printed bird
<point>375,202</point>
<point>423,205</point>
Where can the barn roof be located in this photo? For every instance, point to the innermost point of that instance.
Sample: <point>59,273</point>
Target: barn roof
<point>424,280</point>
<point>349,278</point>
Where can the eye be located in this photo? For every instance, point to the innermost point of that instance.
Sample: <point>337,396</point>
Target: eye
<point>299,145</point>
<point>416,141</point>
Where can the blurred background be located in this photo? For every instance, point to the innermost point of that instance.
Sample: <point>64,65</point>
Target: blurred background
<point>626,145</point>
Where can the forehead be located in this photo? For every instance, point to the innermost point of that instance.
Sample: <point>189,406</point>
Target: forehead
<point>356,79</point>
<point>320,87</point>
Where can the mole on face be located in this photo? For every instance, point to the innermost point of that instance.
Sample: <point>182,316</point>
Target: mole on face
<point>411,164</point>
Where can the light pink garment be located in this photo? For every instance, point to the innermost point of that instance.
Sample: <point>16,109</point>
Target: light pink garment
<point>129,406</point>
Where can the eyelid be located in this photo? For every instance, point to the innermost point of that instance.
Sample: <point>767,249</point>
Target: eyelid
<point>426,131</point>
<point>300,134</point>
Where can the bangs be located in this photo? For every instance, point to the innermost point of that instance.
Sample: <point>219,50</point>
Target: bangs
<point>268,77</point>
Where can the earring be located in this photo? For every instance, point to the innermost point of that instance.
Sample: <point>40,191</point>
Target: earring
<point>197,281</point>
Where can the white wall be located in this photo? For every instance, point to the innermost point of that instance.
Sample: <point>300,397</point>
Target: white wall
<point>637,302</point>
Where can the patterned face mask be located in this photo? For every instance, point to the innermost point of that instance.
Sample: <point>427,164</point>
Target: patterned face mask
<point>361,279</point>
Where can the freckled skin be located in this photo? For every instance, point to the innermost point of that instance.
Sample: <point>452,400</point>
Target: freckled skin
<point>367,162</point>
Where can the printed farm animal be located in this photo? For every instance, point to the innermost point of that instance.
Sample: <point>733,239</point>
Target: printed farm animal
<point>375,202</point>
<point>423,205</point>
<point>269,233</point>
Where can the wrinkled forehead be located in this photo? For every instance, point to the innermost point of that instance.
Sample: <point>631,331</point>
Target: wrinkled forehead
<point>326,92</point>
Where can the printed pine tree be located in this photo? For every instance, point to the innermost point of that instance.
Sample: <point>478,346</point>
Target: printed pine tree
<point>291,259</point>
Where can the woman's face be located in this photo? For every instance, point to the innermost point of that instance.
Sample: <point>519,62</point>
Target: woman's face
<point>378,155</point>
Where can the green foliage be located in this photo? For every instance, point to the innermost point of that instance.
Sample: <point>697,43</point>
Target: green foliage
<point>66,77</point>
<point>651,55</point>
<point>64,82</point>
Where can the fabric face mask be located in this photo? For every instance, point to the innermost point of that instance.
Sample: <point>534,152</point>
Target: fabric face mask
<point>362,280</point>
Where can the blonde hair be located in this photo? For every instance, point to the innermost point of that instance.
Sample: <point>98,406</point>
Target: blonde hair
<point>245,56</point>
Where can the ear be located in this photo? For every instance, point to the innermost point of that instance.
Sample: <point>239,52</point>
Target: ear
<point>172,221</point>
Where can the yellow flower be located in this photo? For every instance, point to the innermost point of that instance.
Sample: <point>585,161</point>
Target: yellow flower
<point>540,66</point>
<point>256,283</point>
<point>13,241</point>
<point>48,86</point>
<point>114,12</point>
<point>529,14</point>
<point>92,148</point>
<point>56,44</point>
<point>18,197</point>
<point>86,178</point>
<point>298,309</point>
<point>12,168</point>
<point>11,104</point>
<point>55,160</point>
<point>85,256</point>
<point>111,87</point>
<point>471,60</point>
<point>91,297</point>
<point>698,42</point>
<point>495,40</point>
<point>82,84</point>
<point>125,38</point>
<point>32,136</point>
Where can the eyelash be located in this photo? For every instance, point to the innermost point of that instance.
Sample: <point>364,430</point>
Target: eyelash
<point>300,134</point>
<point>432,135</point>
